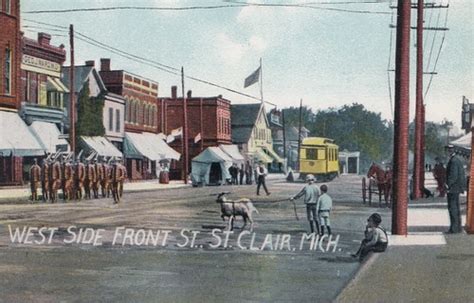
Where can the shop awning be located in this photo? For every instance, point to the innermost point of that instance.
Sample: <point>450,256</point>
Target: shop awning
<point>55,84</point>
<point>262,156</point>
<point>102,146</point>
<point>274,155</point>
<point>463,142</point>
<point>48,136</point>
<point>149,145</point>
<point>232,151</point>
<point>16,137</point>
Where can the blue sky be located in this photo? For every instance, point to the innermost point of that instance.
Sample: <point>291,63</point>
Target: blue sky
<point>327,58</point>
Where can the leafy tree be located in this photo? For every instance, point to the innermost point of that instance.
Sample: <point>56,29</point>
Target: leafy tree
<point>352,127</point>
<point>89,114</point>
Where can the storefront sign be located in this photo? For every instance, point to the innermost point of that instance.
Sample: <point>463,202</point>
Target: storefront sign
<point>41,66</point>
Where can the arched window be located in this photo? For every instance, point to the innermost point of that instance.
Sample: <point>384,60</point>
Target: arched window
<point>127,109</point>
<point>137,111</point>
<point>133,113</point>
<point>153,116</point>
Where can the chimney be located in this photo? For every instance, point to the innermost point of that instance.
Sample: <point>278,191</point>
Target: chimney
<point>90,63</point>
<point>190,94</point>
<point>44,38</point>
<point>105,64</point>
<point>174,90</point>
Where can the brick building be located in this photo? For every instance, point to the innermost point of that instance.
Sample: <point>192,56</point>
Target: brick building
<point>207,116</point>
<point>42,91</point>
<point>17,143</point>
<point>10,54</point>
<point>141,120</point>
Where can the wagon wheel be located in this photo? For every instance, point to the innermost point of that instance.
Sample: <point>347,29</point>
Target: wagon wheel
<point>371,183</point>
<point>364,190</point>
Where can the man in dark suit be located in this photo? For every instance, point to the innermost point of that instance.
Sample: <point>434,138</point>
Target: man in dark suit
<point>456,183</point>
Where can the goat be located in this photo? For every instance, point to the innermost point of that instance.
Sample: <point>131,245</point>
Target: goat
<point>231,209</point>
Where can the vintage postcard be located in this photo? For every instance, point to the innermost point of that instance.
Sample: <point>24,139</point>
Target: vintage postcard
<point>236,151</point>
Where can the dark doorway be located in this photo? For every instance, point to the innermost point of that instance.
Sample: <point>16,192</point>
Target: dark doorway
<point>215,175</point>
<point>352,165</point>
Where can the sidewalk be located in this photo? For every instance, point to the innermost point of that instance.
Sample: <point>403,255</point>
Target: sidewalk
<point>24,191</point>
<point>425,266</point>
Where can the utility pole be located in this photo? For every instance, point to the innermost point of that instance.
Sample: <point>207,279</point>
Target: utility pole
<point>72,96</point>
<point>202,124</point>
<point>401,117</point>
<point>299,132</point>
<point>418,168</point>
<point>185,131</point>
<point>284,135</point>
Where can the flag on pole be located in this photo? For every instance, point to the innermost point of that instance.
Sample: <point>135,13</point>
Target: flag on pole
<point>197,138</point>
<point>253,78</point>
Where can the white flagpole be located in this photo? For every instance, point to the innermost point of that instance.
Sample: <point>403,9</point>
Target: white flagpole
<point>261,80</point>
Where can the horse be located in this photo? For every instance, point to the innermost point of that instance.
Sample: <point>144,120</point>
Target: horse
<point>383,180</point>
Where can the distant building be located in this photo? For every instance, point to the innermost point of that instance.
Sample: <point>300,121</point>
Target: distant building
<point>113,111</point>
<point>209,123</point>
<point>251,131</point>
<point>291,137</point>
<point>143,158</point>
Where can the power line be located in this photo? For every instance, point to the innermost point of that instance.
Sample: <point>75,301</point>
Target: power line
<point>113,8</point>
<point>312,7</point>
<point>234,4</point>
<point>149,62</point>
<point>388,69</point>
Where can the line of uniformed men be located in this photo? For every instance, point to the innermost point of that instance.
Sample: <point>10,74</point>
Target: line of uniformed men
<point>93,178</point>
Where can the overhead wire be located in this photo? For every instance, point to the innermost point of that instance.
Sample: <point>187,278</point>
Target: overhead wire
<point>388,68</point>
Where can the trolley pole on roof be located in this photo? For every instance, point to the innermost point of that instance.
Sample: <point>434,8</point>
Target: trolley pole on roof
<point>402,106</point>
<point>299,132</point>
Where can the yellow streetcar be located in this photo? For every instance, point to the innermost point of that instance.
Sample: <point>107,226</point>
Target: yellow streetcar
<point>320,157</point>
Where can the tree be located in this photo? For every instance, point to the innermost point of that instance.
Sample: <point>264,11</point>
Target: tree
<point>352,127</point>
<point>89,114</point>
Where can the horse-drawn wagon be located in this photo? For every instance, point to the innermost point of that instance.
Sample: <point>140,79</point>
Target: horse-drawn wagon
<point>378,182</point>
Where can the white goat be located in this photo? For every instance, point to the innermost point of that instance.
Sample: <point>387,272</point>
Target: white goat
<point>242,207</point>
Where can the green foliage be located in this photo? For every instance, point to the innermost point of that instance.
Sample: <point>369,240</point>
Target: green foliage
<point>89,114</point>
<point>435,138</point>
<point>352,127</point>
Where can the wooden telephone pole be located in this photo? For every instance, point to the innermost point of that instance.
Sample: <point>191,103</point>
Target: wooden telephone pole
<point>72,96</point>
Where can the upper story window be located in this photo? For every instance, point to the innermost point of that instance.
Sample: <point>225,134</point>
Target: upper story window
<point>8,6</point>
<point>111,119</point>
<point>8,71</point>
<point>117,120</point>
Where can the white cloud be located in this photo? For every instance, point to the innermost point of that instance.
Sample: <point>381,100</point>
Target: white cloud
<point>231,52</point>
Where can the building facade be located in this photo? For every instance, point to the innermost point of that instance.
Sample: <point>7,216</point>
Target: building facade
<point>251,131</point>
<point>209,124</point>
<point>10,54</point>
<point>42,91</point>
<point>140,115</point>
<point>113,112</point>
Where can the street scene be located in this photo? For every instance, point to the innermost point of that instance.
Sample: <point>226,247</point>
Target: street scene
<point>236,151</point>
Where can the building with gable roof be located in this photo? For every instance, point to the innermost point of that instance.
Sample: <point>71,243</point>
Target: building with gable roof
<point>251,132</point>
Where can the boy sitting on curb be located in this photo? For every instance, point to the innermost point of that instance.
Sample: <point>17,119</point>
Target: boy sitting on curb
<point>376,238</point>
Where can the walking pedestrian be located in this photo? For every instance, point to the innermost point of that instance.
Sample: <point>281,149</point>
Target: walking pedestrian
<point>261,172</point>
<point>311,195</point>
<point>241,174</point>
<point>439,173</point>
<point>456,183</point>
<point>375,240</point>
<point>324,208</point>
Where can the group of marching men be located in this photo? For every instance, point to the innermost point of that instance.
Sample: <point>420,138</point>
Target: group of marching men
<point>91,179</point>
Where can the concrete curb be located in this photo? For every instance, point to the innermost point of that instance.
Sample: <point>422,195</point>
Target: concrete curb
<point>355,278</point>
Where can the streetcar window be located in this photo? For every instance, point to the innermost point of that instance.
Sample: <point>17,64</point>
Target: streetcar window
<point>311,154</point>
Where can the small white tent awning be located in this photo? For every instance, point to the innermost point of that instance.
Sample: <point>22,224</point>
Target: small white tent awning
<point>464,141</point>
<point>103,147</point>
<point>232,151</point>
<point>152,146</point>
<point>16,137</point>
<point>48,135</point>
<point>202,164</point>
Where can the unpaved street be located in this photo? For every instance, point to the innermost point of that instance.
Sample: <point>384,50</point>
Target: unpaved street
<point>177,272</point>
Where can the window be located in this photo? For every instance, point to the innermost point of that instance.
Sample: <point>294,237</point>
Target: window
<point>117,120</point>
<point>133,111</point>
<point>8,7</point>
<point>311,154</point>
<point>152,115</point>
<point>8,71</point>
<point>111,119</point>
<point>137,112</point>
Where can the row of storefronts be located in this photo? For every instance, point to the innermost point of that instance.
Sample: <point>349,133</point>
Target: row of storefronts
<point>142,129</point>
